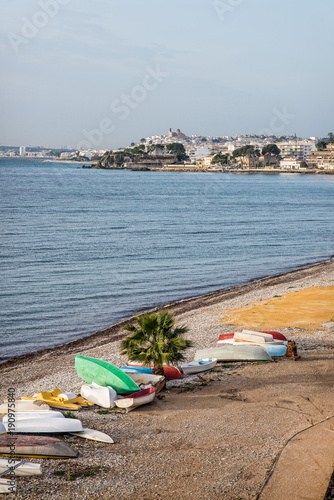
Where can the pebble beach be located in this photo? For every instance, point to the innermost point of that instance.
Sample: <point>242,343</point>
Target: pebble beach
<point>212,436</point>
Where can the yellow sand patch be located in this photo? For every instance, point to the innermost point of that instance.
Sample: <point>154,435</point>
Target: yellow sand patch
<point>307,308</point>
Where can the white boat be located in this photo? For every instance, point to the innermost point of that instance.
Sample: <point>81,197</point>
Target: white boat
<point>235,352</point>
<point>2,428</point>
<point>250,336</point>
<point>27,469</point>
<point>33,414</point>
<point>146,380</point>
<point>42,423</point>
<point>199,366</point>
<point>24,405</point>
<point>94,435</point>
<point>99,395</point>
<point>7,485</point>
<point>136,399</point>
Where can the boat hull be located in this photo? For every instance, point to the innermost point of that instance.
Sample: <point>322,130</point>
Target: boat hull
<point>27,469</point>
<point>35,446</point>
<point>41,423</point>
<point>105,374</point>
<point>233,352</point>
<point>140,398</point>
<point>24,405</point>
<point>143,380</point>
<point>171,372</point>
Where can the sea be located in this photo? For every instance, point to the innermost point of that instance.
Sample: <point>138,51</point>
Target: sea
<point>81,249</point>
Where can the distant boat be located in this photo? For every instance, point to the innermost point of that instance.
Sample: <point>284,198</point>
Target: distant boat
<point>234,352</point>
<point>105,374</point>
<point>171,372</point>
<point>199,366</point>
<point>27,469</point>
<point>35,446</point>
<point>137,399</point>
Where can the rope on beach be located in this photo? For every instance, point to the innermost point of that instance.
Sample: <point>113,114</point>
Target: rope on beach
<point>280,453</point>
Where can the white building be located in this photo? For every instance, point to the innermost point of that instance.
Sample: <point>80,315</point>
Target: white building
<point>290,163</point>
<point>296,149</point>
<point>22,151</point>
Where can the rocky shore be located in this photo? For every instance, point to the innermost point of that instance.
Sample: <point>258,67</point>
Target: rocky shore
<point>215,436</point>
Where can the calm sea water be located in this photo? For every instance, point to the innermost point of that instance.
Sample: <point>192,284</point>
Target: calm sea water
<point>82,249</point>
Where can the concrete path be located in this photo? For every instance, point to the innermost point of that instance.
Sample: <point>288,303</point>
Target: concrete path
<point>305,466</point>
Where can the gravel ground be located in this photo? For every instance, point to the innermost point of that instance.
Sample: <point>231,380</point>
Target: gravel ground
<point>214,436</point>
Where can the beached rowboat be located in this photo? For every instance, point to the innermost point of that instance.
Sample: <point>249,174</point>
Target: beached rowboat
<point>105,374</point>
<point>52,422</point>
<point>274,348</point>
<point>137,399</point>
<point>234,352</point>
<point>199,366</point>
<point>35,446</point>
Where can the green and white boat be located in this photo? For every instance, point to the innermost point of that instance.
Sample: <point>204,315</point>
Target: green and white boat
<point>105,374</point>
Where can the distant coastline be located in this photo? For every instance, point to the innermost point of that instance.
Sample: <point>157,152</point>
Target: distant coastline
<point>193,168</point>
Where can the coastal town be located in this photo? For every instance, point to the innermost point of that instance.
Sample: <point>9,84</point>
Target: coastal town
<point>178,152</point>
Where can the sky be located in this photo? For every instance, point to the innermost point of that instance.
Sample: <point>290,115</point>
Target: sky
<point>105,73</point>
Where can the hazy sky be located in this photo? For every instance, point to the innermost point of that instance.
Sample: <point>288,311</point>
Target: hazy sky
<point>106,73</point>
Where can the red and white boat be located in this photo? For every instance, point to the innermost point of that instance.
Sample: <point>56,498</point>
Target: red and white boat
<point>252,336</point>
<point>136,399</point>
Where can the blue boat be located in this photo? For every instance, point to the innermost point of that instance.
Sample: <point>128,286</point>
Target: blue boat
<point>275,350</point>
<point>137,369</point>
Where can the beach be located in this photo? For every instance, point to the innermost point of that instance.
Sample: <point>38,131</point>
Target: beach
<point>215,436</point>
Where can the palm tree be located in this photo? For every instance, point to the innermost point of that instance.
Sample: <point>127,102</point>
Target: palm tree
<point>154,341</point>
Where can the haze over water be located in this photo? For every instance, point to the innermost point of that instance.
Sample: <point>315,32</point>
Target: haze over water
<point>82,249</point>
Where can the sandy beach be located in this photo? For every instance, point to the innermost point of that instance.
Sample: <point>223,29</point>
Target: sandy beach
<point>216,436</point>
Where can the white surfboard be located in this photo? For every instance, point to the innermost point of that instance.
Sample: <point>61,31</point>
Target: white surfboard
<point>94,435</point>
